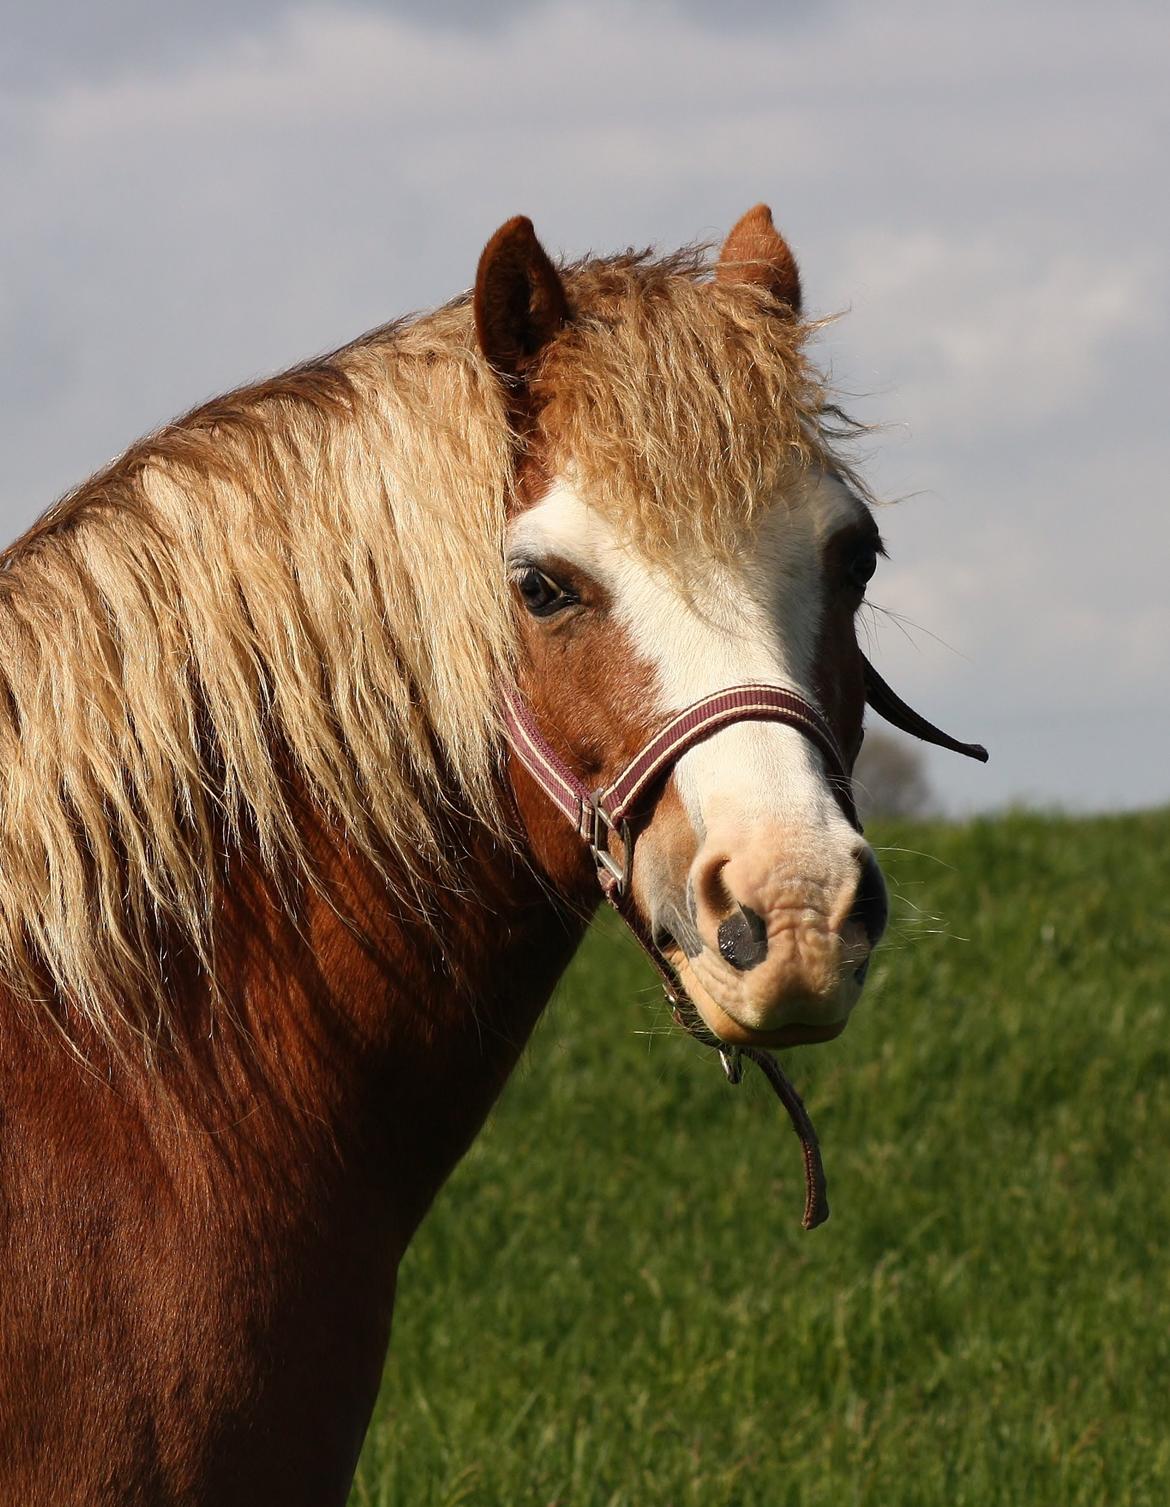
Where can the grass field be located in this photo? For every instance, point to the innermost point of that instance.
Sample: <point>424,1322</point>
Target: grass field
<point>613,1303</point>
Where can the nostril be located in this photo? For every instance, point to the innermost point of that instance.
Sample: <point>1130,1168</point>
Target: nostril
<point>743,939</point>
<point>871,906</point>
<point>707,891</point>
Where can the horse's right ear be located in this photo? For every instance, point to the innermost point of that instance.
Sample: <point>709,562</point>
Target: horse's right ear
<point>520,301</point>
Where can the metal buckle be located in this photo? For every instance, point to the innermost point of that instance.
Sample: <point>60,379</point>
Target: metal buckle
<point>732,1062</point>
<point>600,825</point>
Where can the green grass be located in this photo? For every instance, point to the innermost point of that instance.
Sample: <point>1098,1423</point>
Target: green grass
<point>613,1304</point>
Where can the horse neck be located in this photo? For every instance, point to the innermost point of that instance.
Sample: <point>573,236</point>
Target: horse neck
<point>253,1192</point>
<point>386,1034</point>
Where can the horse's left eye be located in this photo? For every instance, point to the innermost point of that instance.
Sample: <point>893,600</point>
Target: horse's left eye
<point>861,566</point>
<point>540,593</point>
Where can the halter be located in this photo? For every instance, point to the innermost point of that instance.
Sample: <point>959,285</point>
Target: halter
<point>596,814</point>
<point>611,810</point>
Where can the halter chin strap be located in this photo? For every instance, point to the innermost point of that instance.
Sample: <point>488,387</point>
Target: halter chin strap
<point>598,815</point>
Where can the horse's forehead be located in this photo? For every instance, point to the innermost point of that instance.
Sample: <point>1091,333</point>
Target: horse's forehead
<point>786,542</point>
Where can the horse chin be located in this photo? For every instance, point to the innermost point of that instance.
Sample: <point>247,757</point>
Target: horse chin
<point>726,1027</point>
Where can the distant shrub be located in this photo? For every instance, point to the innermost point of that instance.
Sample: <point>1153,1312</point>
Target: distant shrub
<point>890,778</point>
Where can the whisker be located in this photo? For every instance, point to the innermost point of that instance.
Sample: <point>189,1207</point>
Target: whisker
<point>904,623</point>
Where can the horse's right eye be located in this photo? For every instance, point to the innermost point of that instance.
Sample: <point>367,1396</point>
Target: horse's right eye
<point>540,593</point>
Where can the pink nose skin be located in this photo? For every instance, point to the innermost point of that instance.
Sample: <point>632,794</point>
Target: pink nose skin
<point>787,925</point>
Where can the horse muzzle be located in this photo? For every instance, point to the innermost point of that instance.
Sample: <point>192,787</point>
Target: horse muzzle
<point>773,941</point>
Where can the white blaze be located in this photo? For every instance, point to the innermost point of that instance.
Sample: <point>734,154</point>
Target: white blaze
<point>755,619</point>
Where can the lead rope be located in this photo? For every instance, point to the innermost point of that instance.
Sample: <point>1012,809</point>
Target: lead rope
<point>816,1196</point>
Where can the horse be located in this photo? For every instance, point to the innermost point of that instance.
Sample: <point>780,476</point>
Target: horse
<point>284,885</point>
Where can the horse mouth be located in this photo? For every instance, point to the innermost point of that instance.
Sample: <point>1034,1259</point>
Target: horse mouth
<point>796,1033</point>
<point>716,1025</point>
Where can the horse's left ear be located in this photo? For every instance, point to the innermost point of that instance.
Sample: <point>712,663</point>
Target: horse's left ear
<point>520,301</point>
<point>756,252</point>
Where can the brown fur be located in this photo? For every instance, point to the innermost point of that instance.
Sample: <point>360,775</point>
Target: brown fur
<point>198,1288</point>
<point>756,252</point>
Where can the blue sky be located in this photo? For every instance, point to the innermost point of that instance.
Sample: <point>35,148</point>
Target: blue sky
<point>197,196</point>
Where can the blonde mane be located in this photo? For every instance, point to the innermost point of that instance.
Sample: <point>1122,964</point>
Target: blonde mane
<point>300,587</point>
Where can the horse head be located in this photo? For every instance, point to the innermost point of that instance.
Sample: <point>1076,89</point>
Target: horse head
<point>748,877</point>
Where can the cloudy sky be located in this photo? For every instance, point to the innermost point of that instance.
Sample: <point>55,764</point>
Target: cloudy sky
<point>203,191</point>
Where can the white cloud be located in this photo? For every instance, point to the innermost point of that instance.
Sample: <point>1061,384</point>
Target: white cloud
<point>996,333</point>
<point>976,184</point>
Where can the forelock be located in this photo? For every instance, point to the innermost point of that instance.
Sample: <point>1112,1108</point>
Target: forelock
<point>679,406</point>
